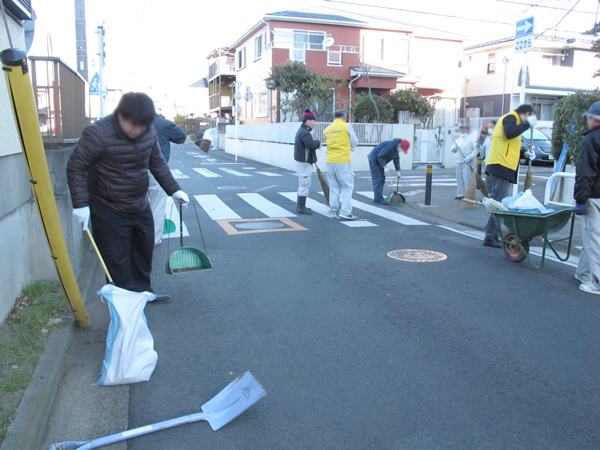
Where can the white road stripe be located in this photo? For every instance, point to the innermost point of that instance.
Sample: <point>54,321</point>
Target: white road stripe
<point>269,174</point>
<point>249,168</point>
<point>177,174</point>
<point>265,206</point>
<point>537,251</point>
<point>317,207</point>
<point>395,217</point>
<point>207,173</point>
<point>215,208</point>
<point>358,223</point>
<point>234,172</point>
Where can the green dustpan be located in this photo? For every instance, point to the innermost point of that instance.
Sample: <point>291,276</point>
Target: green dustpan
<point>187,259</point>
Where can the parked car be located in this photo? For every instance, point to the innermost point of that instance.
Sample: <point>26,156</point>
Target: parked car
<point>542,146</point>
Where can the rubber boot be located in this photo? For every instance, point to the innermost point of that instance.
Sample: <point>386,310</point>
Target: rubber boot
<point>302,209</point>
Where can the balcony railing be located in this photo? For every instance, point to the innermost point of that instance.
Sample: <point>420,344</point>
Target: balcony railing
<point>224,65</point>
<point>219,101</point>
<point>62,99</point>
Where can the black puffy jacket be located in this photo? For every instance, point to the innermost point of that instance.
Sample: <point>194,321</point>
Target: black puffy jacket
<point>587,179</point>
<point>109,168</point>
<point>305,146</point>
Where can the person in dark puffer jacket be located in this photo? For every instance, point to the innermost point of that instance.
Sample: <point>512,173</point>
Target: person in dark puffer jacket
<point>305,155</point>
<point>108,179</point>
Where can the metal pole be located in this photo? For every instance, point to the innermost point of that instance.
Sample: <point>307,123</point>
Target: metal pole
<point>505,61</point>
<point>235,117</point>
<point>523,78</point>
<point>101,70</point>
<point>479,168</point>
<point>428,180</point>
<point>80,39</point>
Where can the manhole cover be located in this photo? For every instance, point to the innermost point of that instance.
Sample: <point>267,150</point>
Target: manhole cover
<point>417,255</point>
<point>232,188</point>
<point>259,225</point>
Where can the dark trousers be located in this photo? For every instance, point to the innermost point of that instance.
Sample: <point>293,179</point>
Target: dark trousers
<point>378,176</point>
<point>126,242</point>
<point>498,189</point>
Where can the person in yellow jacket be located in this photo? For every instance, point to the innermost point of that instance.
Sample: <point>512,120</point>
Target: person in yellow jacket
<point>341,141</point>
<point>503,161</point>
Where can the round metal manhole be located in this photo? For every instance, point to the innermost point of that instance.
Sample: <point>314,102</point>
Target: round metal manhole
<point>421,256</point>
<point>266,225</point>
<point>231,188</point>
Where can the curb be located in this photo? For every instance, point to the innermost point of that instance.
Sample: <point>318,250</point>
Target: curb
<point>28,429</point>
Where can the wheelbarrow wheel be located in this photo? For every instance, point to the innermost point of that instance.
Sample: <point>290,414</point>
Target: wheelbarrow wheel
<point>512,250</point>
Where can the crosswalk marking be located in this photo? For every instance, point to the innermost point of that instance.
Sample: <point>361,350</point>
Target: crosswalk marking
<point>317,207</point>
<point>395,217</point>
<point>266,207</point>
<point>234,172</point>
<point>207,173</point>
<point>358,223</point>
<point>177,174</point>
<point>215,208</point>
<point>269,174</point>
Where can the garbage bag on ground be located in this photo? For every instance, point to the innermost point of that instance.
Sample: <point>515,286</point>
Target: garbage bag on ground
<point>525,202</point>
<point>130,355</point>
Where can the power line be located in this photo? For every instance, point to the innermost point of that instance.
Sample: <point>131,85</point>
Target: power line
<point>563,18</point>
<point>421,12</point>
<point>544,6</point>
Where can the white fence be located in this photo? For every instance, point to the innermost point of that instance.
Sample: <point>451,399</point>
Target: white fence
<point>274,143</point>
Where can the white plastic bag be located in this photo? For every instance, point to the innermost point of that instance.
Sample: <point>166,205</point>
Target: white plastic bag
<point>493,205</point>
<point>130,355</point>
<point>528,203</point>
<point>212,134</point>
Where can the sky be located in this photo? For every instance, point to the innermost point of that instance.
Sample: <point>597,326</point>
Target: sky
<point>156,46</point>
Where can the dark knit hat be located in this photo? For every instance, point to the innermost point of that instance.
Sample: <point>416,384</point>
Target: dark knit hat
<point>308,115</point>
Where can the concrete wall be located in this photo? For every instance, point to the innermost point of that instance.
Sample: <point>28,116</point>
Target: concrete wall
<point>24,251</point>
<point>274,144</point>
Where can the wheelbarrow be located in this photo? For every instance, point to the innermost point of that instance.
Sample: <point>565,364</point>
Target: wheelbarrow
<point>523,227</point>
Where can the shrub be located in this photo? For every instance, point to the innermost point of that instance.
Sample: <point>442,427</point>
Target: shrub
<point>568,115</point>
<point>364,111</point>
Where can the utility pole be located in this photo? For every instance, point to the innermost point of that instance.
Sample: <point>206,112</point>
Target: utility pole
<point>101,55</point>
<point>523,79</point>
<point>81,39</point>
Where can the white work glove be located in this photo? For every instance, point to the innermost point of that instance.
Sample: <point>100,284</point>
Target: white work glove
<point>530,154</point>
<point>532,120</point>
<point>181,197</point>
<point>83,216</point>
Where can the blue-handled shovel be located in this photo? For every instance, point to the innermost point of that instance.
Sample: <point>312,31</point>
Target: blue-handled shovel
<point>237,397</point>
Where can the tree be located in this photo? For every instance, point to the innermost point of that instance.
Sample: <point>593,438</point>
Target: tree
<point>179,119</point>
<point>367,69</point>
<point>570,124</point>
<point>303,89</point>
<point>595,32</point>
<point>365,110</point>
<point>412,101</point>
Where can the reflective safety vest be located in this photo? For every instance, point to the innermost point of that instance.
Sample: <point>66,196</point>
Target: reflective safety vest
<point>338,142</point>
<point>503,151</point>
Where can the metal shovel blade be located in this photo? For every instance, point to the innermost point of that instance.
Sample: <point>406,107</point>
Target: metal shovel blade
<point>237,397</point>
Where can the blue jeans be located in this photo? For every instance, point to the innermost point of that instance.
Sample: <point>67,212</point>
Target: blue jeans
<point>498,189</point>
<point>378,176</point>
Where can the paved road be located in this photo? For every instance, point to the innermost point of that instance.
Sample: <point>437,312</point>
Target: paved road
<point>357,350</point>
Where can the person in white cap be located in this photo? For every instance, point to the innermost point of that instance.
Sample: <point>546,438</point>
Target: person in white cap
<point>465,151</point>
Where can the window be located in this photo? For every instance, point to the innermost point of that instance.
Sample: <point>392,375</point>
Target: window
<point>488,109</point>
<point>258,46</point>
<point>260,104</point>
<point>491,64</point>
<point>241,58</point>
<point>544,109</point>
<point>306,40</point>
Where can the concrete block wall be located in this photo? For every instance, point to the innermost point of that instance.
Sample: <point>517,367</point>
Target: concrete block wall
<point>274,144</point>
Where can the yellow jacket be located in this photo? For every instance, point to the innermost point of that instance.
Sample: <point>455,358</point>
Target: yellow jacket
<point>338,142</point>
<point>504,151</point>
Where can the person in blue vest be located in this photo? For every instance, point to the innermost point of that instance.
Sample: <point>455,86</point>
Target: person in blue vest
<point>166,132</point>
<point>379,157</point>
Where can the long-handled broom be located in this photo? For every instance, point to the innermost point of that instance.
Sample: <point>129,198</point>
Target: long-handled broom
<point>324,185</point>
<point>529,177</point>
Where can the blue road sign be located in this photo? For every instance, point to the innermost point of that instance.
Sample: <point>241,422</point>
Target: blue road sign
<point>95,84</point>
<point>524,27</point>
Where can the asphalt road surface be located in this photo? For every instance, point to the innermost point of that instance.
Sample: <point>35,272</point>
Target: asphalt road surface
<point>357,350</point>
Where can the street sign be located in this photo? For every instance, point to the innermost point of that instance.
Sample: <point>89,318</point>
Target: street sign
<point>524,36</point>
<point>95,84</point>
<point>524,44</point>
<point>524,27</point>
